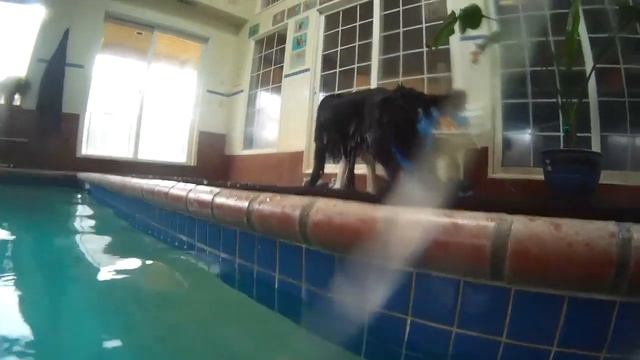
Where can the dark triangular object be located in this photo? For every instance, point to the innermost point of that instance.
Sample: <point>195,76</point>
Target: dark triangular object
<point>49,105</point>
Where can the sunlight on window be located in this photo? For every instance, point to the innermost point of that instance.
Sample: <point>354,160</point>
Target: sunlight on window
<point>19,26</point>
<point>113,107</point>
<point>167,112</point>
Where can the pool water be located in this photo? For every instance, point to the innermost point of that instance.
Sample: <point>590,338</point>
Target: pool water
<point>76,282</point>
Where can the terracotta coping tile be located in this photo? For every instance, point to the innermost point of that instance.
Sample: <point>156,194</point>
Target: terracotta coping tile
<point>633,285</point>
<point>230,206</point>
<point>199,201</point>
<point>279,215</point>
<point>177,196</point>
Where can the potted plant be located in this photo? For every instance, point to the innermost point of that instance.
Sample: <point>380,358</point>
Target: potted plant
<point>12,86</point>
<point>569,170</point>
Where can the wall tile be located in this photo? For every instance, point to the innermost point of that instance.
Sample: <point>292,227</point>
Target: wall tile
<point>563,355</point>
<point>267,253</point>
<point>266,289</point>
<point>289,300</point>
<point>520,352</point>
<point>246,279</point>
<point>385,337</point>
<point>290,261</point>
<point>319,268</point>
<point>201,232</point>
<point>626,331</point>
<point>435,298</point>
<point>483,308</point>
<point>247,247</point>
<point>229,241</point>
<point>586,324</point>
<point>535,317</point>
<point>474,347</point>
<point>398,301</point>
<point>214,234</point>
<point>228,272</point>
<point>427,342</point>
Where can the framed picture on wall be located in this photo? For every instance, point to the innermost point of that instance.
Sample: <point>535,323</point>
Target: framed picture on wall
<point>278,18</point>
<point>299,42</point>
<point>294,11</point>
<point>254,30</point>
<point>301,25</point>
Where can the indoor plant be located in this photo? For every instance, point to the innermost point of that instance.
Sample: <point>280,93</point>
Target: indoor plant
<point>568,171</point>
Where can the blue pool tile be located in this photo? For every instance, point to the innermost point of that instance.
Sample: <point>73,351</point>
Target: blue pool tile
<point>229,243</point>
<point>534,317</point>
<point>213,236</point>
<point>289,300</point>
<point>319,268</point>
<point>427,342</point>
<point>398,301</point>
<point>181,223</point>
<point>474,347</point>
<point>267,253</point>
<point>586,324</point>
<point>385,337</point>
<point>190,227</point>
<point>247,247</point>
<point>246,280</point>
<point>266,289</point>
<point>201,232</point>
<point>435,298</point>
<point>566,355</point>
<point>521,352</point>
<point>290,261</point>
<point>228,272</point>
<point>625,338</point>
<point>483,308</point>
<point>325,320</point>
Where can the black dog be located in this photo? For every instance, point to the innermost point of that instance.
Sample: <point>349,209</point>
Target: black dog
<point>377,125</point>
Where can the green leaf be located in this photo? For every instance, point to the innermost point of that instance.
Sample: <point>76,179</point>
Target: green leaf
<point>572,35</point>
<point>446,30</point>
<point>470,17</point>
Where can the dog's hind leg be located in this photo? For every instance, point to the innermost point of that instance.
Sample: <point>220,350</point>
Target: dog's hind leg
<point>340,176</point>
<point>319,160</point>
<point>351,169</point>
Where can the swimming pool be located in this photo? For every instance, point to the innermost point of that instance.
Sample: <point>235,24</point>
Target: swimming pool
<point>77,282</point>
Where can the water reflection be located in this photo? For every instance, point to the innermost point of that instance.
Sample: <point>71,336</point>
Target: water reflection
<point>15,333</point>
<point>93,247</point>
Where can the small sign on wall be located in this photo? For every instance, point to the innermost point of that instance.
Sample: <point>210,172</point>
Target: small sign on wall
<point>254,30</point>
<point>278,18</point>
<point>299,51</point>
<point>301,25</point>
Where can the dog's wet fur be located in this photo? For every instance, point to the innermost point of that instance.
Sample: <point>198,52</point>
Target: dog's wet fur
<point>370,124</point>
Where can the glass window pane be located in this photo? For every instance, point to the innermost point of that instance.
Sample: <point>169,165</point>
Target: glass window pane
<point>546,117</point>
<point>516,150</point>
<point>543,84</point>
<point>609,82</point>
<point>632,80</point>
<point>330,61</point>
<point>391,44</point>
<point>514,86</point>
<point>364,53</point>
<point>348,36</point>
<point>435,11</point>
<point>412,16</point>
<point>413,64</point>
<point>536,26</point>
<point>390,5</point>
<point>328,83</point>
<point>438,61</point>
<point>332,22</point>
<point>512,56</point>
<point>540,54</point>
<point>346,79</point>
<point>439,85</point>
<point>613,116</point>
<point>390,68</point>
<point>634,117</point>
<point>366,11</point>
<point>348,56</point>
<point>391,21</point>
<point>349,16</point>
<point>363,76</point>
<point>365,31</point>
<point>615,152</point>
<point>331,41</point>
<point>515,117</point>
<point>413,40</point>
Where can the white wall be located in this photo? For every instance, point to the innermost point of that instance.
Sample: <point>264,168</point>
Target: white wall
<point>85,18</point>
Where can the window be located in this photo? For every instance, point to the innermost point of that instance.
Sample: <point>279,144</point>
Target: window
<point>263,109</point>
<point>142,96</point>
<point>531,117</point>
<point>407,27</point>
<point>346,49</point>
<point>267,3</point>
<point>19,26</point>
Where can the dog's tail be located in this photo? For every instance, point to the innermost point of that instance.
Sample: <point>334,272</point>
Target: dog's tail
<point>320,139</point>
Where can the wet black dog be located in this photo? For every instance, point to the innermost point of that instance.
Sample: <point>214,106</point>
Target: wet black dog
<point>377,125</point>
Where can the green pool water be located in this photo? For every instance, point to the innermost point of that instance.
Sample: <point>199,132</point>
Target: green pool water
<point>76,282</point>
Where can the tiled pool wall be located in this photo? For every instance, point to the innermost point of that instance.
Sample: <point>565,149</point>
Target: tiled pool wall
<point>429,315</point>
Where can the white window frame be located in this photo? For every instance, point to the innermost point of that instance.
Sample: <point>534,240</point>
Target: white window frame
<point>192,141</point>
<point>496,170</point>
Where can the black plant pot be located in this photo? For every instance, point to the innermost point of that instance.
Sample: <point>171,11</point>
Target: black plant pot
<point>572,172</point>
